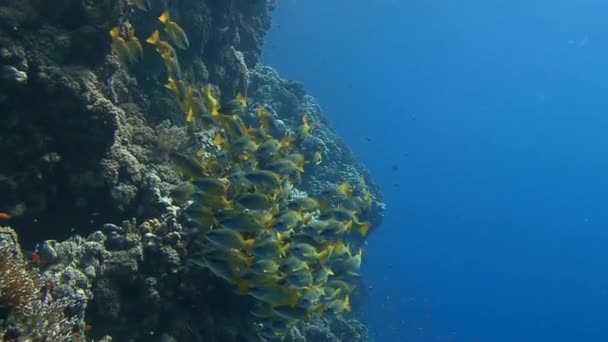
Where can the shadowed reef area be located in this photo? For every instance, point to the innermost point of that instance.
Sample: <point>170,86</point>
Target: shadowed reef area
<point>161,184</point>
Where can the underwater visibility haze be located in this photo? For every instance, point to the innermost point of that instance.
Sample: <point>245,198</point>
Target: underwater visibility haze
<point>484,123</point>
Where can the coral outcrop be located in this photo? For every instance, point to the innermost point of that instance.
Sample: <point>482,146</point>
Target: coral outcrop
<point>85,140</point>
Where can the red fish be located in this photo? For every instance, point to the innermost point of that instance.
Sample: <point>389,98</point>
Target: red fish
<point>5,216</point>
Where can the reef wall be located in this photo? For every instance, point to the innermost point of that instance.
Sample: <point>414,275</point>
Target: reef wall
<point>87,130</point>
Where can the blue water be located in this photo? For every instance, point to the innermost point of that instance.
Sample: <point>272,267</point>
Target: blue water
<point>496,114</point>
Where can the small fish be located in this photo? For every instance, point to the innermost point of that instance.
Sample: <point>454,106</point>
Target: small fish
<point>179,90</point>
<point>233,257</point>
<point>235,106</point>
<point>241,100</point>
<point>119,45</point>
<point>136,51</point>
<point>303,131</point>
<point>5,216</point>
<point>264,179</point>
<point>317,158</point>
<point>334,228</point>
<point>265,266</point>
<point>285,166</point>
<point>228,238</point>
<point>210,185</point>
<point>311,296</point>
<point>219,268</point>
<point>143,5</point>
<point>308,204</point>
<point>254,201</point>
<point>268,150</point>
<point>171,64</point>
<point>176,33</point>
<point>309,253</point>
<point>212,103</point>
<point>187,165</point>
<point>322,275</point>
<point>293,264</point>
<point>299,278</point>
<point>287,221</point>
<point>233,124</point>
<point>243,147</point>
<point>276,295</point>
<point>195,105</point>
<point>267,120</point>
<point>269,249</point>
<point>167,53</point>
<point>161,45</point>
<point>291,313</point>
<point>261,310</point>
<point>202,215</point>
<point>183,192</point>
<point>245,222</point>
<point>304,237</point>
<point>345,189</point>
<point>338,306</point>
<point>349,266</point>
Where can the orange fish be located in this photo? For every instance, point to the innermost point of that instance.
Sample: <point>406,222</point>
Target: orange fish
<point>5,216</point>
<point>36,258</point>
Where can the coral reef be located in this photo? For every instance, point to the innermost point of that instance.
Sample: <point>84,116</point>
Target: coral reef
<point>89,130</point>
<point>32,307</point>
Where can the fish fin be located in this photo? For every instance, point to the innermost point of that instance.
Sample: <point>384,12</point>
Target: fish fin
<point>323,256</point>
<point>364,229</point>
<point>249,245</point>
<point>349,225</point>
<point>164,17</point>
<point>190,115</point>
<point>319,309</point>
<point>154,38</point>
<point>284,249</point>
<point>115,32</point>
<point>347,306</point>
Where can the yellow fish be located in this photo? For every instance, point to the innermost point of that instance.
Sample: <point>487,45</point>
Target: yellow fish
<point>176,33</point>
<point>228,238</point>
<point>213,105</point>
<point>136,52</point>
<point>161,45</point>
<point>171,64</point>
<point>303,131</point>
<point>119,45</point>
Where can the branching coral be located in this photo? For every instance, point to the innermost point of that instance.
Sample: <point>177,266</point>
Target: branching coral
<point>32,313</point>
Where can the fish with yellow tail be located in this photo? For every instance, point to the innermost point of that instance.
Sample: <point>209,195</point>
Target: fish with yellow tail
<point>303,131</point>
<point>267,120</point>
<point>213,105</point>
<point>339,305</point>
<point>167,53</point>
<point>161,45</point>
<point>228,238</point>
<point>119,45</point>
<point>235,106</point>
<point>175,32</point>
<point>136,52</point>
<point>179,90</point>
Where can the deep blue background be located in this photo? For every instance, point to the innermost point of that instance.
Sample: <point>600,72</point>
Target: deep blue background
<point>496,113</point>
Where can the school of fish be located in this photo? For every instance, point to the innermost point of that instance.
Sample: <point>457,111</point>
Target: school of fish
<point>296,256</point>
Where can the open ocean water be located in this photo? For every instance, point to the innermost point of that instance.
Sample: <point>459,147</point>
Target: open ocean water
<point>485,123</point>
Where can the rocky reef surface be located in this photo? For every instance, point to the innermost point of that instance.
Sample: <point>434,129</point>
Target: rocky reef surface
<point>85,177</point>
